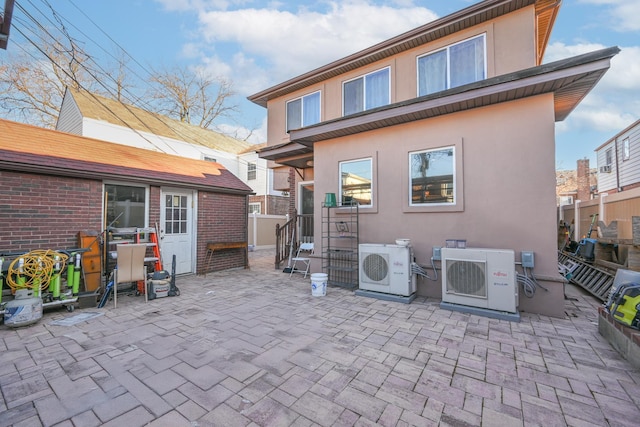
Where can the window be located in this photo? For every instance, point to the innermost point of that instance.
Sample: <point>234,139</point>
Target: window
<point>608,155</point>
<point>626,149</point>
<point>210,159</point>
<point>366,92</point>
<point>254,208</point>
<point>251,171</point>
<point>126,205</point>
<point>304,111</point>
<point>175,214</point>
<point>453,66</point>
<point>356,182</point>
<point>432,177</point>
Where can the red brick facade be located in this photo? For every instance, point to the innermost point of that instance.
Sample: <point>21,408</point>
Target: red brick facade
<point>47,212</point>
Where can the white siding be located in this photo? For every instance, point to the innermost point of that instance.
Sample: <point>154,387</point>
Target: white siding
<point>69,119</point>
<point>623,172</point>
<point>630,168</point>
<point>606,180</point>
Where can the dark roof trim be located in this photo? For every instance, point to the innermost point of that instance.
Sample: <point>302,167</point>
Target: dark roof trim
<point>30,163</point>
<point>570,79</point>
<point>457,21</point>
<point>5,23</point>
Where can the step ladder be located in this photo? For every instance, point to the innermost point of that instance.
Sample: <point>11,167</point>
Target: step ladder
<point>595,280</point>
<point>149,235</point>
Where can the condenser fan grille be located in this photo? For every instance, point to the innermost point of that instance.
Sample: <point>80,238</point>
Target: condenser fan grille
<point>375,267</point>
<point>466,277</point>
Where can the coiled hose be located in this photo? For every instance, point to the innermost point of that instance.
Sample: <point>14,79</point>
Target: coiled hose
<point>35,269</point>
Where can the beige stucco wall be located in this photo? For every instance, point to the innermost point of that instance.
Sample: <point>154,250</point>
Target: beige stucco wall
<point>510,46</point>
<point>507,201</point>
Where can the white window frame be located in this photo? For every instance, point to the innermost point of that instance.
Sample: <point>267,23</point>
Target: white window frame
<point>451,190</point>
<point>364,89</point>
<point>301,99</point>
<point>127,184</point>
<point>371,190</point>
<point>447,48</point>
<point>608,156</point>
<point>626,149</point>
<point>252,171</point>
<point>253,205</point>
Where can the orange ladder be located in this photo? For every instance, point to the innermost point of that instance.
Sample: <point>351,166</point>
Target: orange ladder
<point>149,235</point>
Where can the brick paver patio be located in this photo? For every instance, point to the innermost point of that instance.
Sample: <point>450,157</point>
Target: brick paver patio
<point>254,348</point>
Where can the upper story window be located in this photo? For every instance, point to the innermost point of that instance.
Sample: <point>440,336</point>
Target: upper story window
<point>251,171</point>
<point>455,65</point>
<point>608,157</point>
<point>366,92</point>
<point>626,149</point>
<point>303,111</point>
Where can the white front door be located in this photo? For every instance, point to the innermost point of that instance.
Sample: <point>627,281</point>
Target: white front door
<point>176,230</point>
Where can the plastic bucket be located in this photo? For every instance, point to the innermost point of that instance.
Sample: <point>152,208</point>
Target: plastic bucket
<point>319,284</point>
<point>330,199</point>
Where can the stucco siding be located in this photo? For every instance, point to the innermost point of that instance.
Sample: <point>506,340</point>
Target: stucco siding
<point>507,154</point>
<point>509,47</point>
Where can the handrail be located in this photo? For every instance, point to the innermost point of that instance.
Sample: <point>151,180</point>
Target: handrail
<point>298,229</point>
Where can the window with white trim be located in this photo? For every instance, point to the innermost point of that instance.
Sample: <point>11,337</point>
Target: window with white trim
<point>126,205</point>
<point>254,208</point>
<point>251,171</point>
<point>356,182</point>
<point>366,92</point>
<point>303,111</point>
<point>608,157</point>
<point>455,65</point>
<point>626,149</point>
<point>432,177</point>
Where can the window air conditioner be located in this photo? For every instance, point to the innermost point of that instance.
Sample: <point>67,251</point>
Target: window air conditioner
<point>483,278</point>
<point>386,269</point>
<point>605,169</point>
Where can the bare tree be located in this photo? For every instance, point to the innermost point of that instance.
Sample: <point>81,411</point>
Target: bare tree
<point>32,84</point>
<point>192,96</point>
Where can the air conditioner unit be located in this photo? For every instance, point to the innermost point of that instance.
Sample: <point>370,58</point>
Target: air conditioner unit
<point>386,269</point>
<point>605,169</point>
<point>483,278</point>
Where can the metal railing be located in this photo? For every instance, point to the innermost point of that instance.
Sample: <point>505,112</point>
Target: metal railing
<point>298,229</point>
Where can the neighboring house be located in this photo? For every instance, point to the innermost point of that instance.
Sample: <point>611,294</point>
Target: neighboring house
<point>450,128</point>
<point>54,184</point>
<point>87,114</point>
<point>619,161</point>
<point>580,184</point>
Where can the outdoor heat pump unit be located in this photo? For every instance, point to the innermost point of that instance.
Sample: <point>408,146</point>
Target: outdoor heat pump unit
<point>386,269</point>
<point>480,278</point>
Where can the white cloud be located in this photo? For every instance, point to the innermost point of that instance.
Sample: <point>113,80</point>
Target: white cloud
<point>283,44</point>
<point>613,104</point>
<point>624,13</point>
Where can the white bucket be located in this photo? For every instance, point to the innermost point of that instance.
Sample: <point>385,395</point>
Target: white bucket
<point>319,284</point>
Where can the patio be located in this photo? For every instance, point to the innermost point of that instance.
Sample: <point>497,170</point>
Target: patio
<point>253,347</point>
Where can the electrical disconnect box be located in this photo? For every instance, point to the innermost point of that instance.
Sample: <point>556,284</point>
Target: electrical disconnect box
<point>437,256</point>
<point>527,259</point>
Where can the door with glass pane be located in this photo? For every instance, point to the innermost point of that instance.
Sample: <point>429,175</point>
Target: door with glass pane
<point>176,230</point>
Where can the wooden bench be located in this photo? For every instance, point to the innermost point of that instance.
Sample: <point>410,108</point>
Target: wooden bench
<point>219,246</point>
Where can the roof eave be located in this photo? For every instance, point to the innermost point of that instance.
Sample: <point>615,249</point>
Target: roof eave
<point>442,27</point>
<point>563,78</point>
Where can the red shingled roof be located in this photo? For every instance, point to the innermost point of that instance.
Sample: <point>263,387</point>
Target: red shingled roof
<point>33,149</point>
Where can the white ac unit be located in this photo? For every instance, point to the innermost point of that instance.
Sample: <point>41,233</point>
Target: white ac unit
<point>483,278</point>
<point>605,169</point>
<point>386,269</point>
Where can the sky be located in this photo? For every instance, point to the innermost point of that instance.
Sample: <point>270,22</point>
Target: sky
<point>256,44</point>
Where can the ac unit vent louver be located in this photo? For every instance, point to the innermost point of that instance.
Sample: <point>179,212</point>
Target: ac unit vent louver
<point>375,267</point>
<point>466,277</point>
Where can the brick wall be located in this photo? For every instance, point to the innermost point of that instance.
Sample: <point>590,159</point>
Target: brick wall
<point>221,218</point>
<point>46,212</point>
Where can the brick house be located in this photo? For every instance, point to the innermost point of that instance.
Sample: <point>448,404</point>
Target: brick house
<point>54,184</point>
